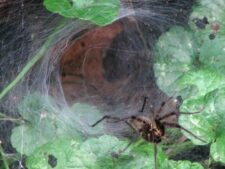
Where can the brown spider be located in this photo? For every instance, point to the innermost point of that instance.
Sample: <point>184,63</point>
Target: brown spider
<point>152,128</point>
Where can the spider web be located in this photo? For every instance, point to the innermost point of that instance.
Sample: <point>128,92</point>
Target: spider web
<point>112,72</point>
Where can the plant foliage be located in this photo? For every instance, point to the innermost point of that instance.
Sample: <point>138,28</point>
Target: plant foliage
<point>191,64</point>
<point>100,12</point>
<point>96,153</point>
<point>188,63</point>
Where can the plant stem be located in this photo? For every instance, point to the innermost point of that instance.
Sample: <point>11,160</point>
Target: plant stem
<point>4,117</point>
<point>3,157</point>
<point>12,120</point>
<point>32,62</point>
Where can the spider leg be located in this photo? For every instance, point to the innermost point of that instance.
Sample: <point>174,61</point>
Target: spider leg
<point>167,115</point>
<point>117,154</point>
<point>134,136</point>
<point>189,113</point>
<point>143,106</point>
<point>162,105</point>
<point>174,113</point>
<point>182,128</point>
<point>100,120</point>
<point>116,120</point>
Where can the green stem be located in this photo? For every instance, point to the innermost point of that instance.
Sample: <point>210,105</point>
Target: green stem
<point>32,62</point>
<point>19,121</point>
<point>3,157</point>
<point>138,142</point>
<point>4,117</point>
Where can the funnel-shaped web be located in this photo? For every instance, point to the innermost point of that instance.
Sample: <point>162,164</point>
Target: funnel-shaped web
<point>83,71</point>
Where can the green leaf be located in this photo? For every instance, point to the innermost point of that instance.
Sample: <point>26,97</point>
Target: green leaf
<point>43,124</point>
<point>217,149</point>
<point>103,148</point>
<point>101,12</point>
<point>65,152</point>
<point>209,123</point>
<point>204,79</point>
<point>35,106</point>
<point>144,157</point>
<point>213,11</point>
<point>184,165</point>
<point>200,80</point>
<point>176,46</point>
<point>212,53</point>
<point>199,126</point>
<point>25,139</point>
<point>94,153</point>
<point>175,54</point>
<point>219,101</point>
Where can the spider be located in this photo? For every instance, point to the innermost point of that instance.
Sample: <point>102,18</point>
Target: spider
<point>152,127</point>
